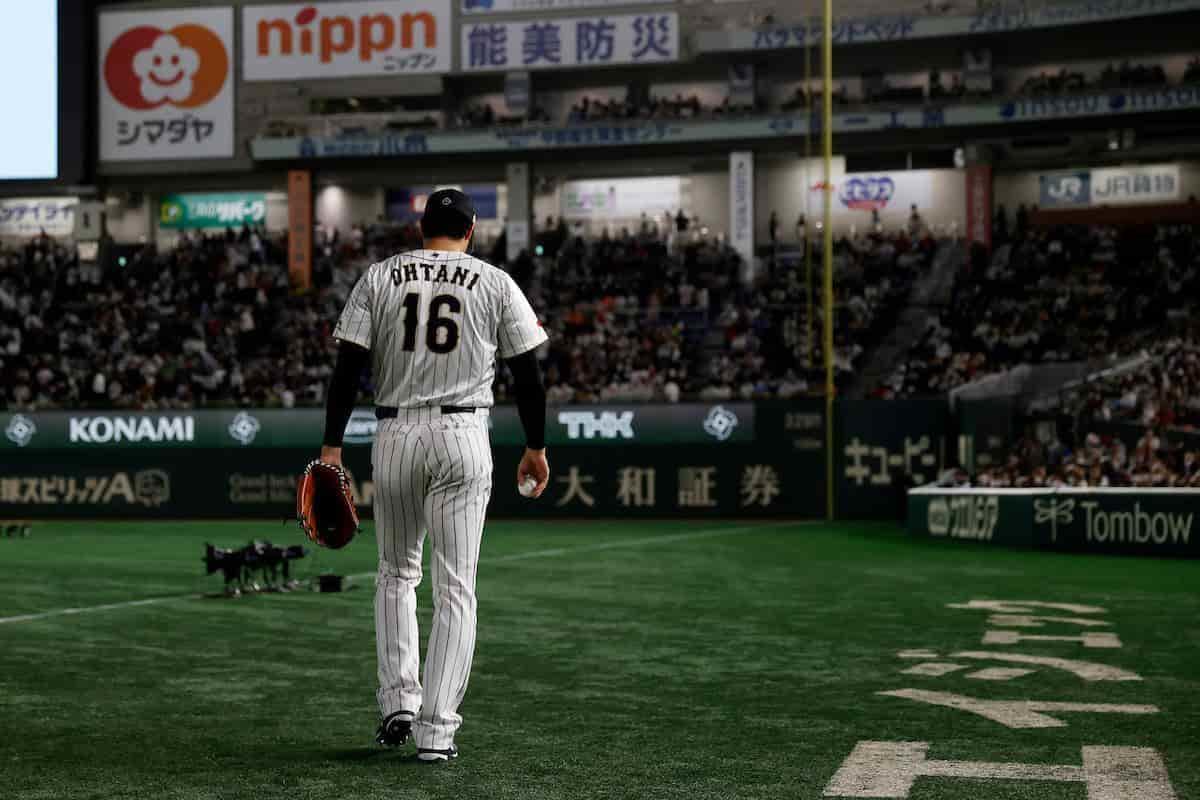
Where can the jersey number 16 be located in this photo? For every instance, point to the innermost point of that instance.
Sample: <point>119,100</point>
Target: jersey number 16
<point>441,332</point>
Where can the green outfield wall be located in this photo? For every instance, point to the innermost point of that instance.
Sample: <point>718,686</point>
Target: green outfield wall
<point>698,460</point>
<point>1154,522</point>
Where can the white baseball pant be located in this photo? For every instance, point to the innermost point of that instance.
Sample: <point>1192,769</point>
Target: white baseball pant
<point>432,472</point>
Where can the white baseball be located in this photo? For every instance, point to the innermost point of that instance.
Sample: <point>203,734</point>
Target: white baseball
<point>527,486</point>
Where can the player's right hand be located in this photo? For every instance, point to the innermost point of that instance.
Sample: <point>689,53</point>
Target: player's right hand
<point>534,465</point>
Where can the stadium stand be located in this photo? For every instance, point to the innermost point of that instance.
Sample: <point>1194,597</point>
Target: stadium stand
<point>211,322</point>
<point>1059,295</point>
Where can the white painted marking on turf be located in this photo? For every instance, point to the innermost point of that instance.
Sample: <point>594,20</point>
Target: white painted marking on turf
<point>617,544</point>
<point>933,669</point>
<point>879,769</point>
<point>999,673</point>
<point>1088,670</point>
<point>611,545</point>
<point>1118,773</point>
<point>1015,713</point>
<point>917,654</point>
<point>889,770</point>
<point>65,612</point>
<point>1034,621</point>
<point>1094,639</point>
<point>1062,773</point>
<point>1024,606</point>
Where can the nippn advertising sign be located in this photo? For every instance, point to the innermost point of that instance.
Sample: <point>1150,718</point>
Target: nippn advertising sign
<point>166,84</point>
<point>345,39</point>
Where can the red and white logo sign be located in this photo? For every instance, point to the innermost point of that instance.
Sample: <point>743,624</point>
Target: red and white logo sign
<point>185,66</point>
<point>345,39</point>
<point>166,84</point>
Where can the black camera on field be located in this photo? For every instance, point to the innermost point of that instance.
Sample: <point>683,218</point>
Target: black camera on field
<point>257,567</point>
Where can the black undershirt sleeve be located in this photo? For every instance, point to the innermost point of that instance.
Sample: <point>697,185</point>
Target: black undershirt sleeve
<point>343,390</point>
<point>531,398</point>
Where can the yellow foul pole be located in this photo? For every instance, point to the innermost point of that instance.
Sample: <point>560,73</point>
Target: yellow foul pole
<point>809,340</point>
<point>827,247</point>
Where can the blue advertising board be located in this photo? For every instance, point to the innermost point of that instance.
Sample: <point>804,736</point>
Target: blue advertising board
<point>991,18</point>
<point>408,203</point>
<point>617,134</point>
<point>1065,189</point>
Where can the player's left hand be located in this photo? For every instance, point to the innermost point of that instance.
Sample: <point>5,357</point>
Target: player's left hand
<point>534,465</point>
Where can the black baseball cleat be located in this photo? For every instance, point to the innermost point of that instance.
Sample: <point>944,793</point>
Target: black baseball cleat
<point>428,755</point>
<point>395,730</point>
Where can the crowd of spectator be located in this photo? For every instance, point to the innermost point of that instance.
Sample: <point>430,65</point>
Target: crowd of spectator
<point>1161,389</point>
<point>209,322</point>
<point>1097,461</point>
<point>393,114</point>
<point>595,110</point>
<point>1056,295</point>
<point>633,316</point>
<point>1191,73</point>
<point>1123,76</point>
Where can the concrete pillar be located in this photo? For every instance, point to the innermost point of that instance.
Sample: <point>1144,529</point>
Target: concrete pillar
<point>520,209</point>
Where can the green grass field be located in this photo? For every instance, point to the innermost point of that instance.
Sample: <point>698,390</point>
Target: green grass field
<point>676,659</point>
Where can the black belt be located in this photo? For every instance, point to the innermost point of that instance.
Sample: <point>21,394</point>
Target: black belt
<point>391,412</point>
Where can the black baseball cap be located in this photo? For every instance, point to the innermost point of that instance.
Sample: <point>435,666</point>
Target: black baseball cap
<point>447,211</point>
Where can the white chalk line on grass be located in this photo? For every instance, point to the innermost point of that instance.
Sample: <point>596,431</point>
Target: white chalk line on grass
<point>66,612</point>
<point>616,544</point>
<point>545,553</point>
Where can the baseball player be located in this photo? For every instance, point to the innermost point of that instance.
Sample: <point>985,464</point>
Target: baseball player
<point>432,323</point>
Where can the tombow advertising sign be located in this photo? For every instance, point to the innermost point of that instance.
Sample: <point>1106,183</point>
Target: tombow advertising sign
<point>166,84</point>
<point>1128,521</point>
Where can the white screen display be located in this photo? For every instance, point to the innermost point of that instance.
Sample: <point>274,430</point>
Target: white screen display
<point>29,91</point>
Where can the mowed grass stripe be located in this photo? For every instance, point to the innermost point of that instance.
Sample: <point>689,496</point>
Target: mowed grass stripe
<point>620,544</point>
<point>545,553</point>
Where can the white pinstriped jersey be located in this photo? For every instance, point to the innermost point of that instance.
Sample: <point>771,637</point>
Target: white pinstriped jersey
<point>434,322</point>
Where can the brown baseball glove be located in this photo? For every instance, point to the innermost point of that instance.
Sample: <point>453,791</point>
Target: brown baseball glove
<point>325,505</point>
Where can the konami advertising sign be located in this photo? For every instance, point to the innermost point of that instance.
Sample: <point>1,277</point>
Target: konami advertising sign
<point>345,39</point>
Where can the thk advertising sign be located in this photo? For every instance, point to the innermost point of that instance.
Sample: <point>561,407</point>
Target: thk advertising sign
<point>166,84</point>
<point>345,39</point>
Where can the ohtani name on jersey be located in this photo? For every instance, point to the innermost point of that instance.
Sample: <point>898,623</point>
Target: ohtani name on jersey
<point>414,271</point>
